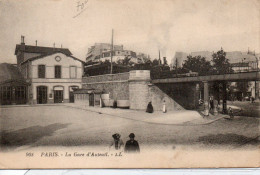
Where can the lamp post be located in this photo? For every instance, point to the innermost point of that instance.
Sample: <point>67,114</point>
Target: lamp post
<point>257,69</point>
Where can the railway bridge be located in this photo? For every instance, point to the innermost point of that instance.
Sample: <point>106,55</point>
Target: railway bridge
<point>224,78</point>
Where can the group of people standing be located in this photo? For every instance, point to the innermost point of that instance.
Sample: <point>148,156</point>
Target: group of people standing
<point>131,145</point>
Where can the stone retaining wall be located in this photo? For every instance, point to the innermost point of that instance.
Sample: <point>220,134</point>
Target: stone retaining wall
<point>135,86</point>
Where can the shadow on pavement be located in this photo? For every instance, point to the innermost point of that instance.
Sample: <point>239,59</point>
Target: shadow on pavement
<point>230,139</point>
<point>27,136</point>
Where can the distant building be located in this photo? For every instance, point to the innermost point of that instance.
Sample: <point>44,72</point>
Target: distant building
<point>95,51</point>
<point>118,55</point>
<point>179,59</point>
<point>102,52</point>
<point>53,73</point>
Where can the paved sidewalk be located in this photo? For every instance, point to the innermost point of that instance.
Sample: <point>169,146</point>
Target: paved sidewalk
<point>182,117</point>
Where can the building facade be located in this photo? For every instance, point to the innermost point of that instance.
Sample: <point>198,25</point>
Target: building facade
<point>13,86</point>
<point>102,52</point>
<point>52,73</point>
<point>118,55</point>
<point>96,50</point>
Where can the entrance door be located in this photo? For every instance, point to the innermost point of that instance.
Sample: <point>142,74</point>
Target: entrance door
<point>58,96</point>
<point>41,94</point>
<point>91,99</point>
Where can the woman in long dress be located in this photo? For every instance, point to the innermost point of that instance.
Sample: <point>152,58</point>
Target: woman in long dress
<point>164,107</point>
<point>149,108</point>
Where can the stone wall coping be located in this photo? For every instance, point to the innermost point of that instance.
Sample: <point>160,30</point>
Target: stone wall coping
<point>139,80</point>
<point>105,75</point>
<point>102,82</point>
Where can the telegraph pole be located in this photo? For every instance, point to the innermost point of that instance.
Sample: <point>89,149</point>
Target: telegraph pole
<point>159,58</point>
<point>112,48</point>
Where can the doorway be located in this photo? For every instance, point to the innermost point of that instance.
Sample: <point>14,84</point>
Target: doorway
<point>58,96</point>
<point>41,94</point>
<point>91,99</point>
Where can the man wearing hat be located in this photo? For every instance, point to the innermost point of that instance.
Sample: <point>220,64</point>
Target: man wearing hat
<point>132,145</point>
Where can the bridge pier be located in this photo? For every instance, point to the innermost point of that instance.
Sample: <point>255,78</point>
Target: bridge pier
<point>224,90</point>
<point>206,97</point>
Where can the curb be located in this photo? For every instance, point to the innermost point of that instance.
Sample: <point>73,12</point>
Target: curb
<point>154,123</point>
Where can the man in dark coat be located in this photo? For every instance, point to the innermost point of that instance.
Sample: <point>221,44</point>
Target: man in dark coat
<point>132,145</point>
<point>149,108</point>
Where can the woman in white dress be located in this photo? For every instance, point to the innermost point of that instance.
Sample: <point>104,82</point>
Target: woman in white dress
<point>164,107</point>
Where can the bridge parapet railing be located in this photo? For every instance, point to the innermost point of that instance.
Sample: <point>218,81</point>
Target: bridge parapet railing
<point>171,74</point>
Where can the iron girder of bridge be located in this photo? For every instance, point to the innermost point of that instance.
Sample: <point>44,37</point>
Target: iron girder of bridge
<point>243,76</point>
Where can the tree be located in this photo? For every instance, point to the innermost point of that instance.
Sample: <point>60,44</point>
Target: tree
<point>197,64</point>
<point>221,64</point>
<point>165,61</point>
<point>126,61</point>
<point>155,62</point>
<point>243,87</point>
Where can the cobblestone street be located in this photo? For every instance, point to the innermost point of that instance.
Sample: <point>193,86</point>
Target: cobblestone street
<point>68,126</point>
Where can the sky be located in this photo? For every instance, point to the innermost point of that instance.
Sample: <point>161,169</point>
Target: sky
<point>140,25</point>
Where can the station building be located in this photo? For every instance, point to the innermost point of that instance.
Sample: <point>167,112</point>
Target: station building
<point>52,73</point>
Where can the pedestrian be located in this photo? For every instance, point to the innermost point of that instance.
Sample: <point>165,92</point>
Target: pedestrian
<point>149,108</point>
<point>114,104</point>
<point>211,103</point>
<point>117,143</point>
<point>164,107</point>
<point>230,113</point>
<point>252,99</point>
<point>101,103</point>
<point>132,145</point>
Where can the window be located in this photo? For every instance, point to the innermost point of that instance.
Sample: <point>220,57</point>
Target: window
<point>27,71</point>
<point>57,71</point>
<point>41,71</point>
<point>73,72</point>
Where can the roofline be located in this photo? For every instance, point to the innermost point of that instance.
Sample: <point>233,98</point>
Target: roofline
<point>41,56</point>
<point>15,80</point>
<point>16,49</point>
<point>75,58</point>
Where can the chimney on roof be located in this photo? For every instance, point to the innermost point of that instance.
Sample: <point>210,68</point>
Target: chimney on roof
<point>22,39</point>
<point>53,45</point>
<point>36,42</point>
<point>61,46</point>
